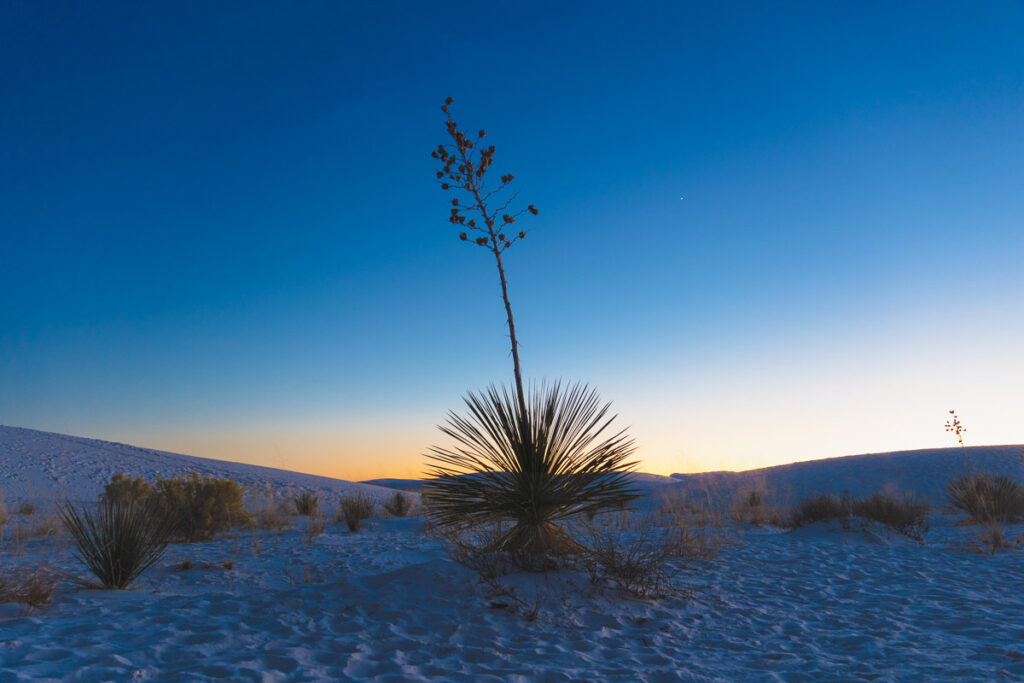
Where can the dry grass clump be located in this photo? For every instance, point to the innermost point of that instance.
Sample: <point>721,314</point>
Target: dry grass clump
<point>25,508</point>
<point>987,498</point>
<point>267,512</point>
<point>306,504</point>
<point>354,509</point>
<point>904,515</point>
<point>32,588</point>
<point>119,541</point>
<point>316,524</point>
<point>398,504</point>
<point>823,508</point>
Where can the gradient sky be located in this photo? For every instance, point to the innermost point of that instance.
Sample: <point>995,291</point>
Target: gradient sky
<point>769,231</point>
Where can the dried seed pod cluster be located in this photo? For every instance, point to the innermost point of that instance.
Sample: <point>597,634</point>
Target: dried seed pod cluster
<point>464,165</point>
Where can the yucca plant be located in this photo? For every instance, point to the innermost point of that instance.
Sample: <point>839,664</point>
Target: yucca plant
<point>533,469</point>
<point>120,541</point>
<point>987,498</point>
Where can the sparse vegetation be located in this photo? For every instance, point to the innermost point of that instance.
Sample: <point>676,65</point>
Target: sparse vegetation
<point>4,515</point>
<point>315,525</point>
<point>398,504</point>
<point>34,588</point>
<point>119,541</point>
<point>987,498</point>
<point>306,503</point>
<point>354,509</point>
<point>25,508</point>
<point>751,507</point>
<point>905,515</point>
<point>822,508</point>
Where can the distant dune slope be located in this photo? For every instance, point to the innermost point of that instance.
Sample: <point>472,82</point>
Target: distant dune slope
<point>924,473</point>
<point>42,466</point>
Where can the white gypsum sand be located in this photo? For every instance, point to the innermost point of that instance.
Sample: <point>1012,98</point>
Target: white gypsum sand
<point>819,603</point>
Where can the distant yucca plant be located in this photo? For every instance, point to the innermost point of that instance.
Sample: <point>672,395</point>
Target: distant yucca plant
<point>987,498</point>
<point>532,468</point>
<point>306,504</point>
<point>119,541</point>
<point>398,504</point>
<point>354,509</point>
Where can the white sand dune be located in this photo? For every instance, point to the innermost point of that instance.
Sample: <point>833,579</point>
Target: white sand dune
<point>44,467</point>
<point>923,473</point>
<point>824,603</point>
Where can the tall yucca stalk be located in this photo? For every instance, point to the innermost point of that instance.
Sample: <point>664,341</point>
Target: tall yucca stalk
<point>120,541</point>
<point>482,212</point>
<point>554,461</point>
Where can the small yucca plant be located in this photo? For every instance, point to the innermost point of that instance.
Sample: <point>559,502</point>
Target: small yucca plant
<point>306,504</point>
<point>398,504</point>
<point>533,469</point>
<point>987,498</point>
<point>119,541</point>
<point>354,509</point>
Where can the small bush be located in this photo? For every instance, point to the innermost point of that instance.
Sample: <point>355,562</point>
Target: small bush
<point>4,516</point>
<point>31,588</point>
<point>905,516</point>
<point>200,507</point>
<point>124,489</point>
<point>398,504</point>
<point>821,508</point>
<point>306,504</point>
<point>633,553</point>
<point>987,497</point>
<point>119,541</point>
<point>26,508</point>
<point>354,509</point>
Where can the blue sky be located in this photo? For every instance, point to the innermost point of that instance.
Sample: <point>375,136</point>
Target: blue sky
<point>767,232</point>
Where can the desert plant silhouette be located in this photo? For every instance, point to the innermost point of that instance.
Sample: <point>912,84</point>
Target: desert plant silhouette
<point>533,469</point>
<point>120,540</point>
<point>532,462</point>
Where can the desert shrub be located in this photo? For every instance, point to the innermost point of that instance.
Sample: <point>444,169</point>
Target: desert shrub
<point>635,553</point>
<point>823,508</point>
<point>532,465</point>
<point>33,588</point>
<point>25,508</point>
<point>987,497</point>
<point>905,515</point>
<point>4,515</point>
<point>398,504</point>
<point>119,541</point>
<point>123,489</point>
<point>354,509</point>
<point>200,507</point>
<point>306,504</point>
